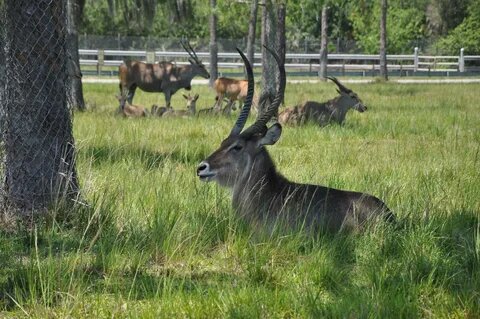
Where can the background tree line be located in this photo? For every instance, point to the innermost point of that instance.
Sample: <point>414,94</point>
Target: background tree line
<point>439,26</point>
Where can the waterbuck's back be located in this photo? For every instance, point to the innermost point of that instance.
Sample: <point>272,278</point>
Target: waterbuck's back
<point>311,207</point>
<point>147,76</point>
<point>333,209</point>
<point>317,112</point>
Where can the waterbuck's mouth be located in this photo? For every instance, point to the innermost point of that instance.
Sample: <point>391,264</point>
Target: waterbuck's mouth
<point>206,177</point>
<point>204,172</point>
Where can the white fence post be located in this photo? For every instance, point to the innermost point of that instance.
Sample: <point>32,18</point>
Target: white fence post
<point>150,56</point>
<point>461,61</point>
<point>415,60</point>
<point>100,59</point>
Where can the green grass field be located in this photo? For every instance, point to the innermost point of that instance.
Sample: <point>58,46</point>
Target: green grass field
<point>155,242</point>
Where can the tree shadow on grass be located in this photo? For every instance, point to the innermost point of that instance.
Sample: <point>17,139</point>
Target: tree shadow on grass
<point>399,271</point>
<point>385,272</point>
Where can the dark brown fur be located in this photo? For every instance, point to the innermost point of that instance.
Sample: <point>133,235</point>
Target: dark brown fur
<point>163,77</point>
<point>262,195</point>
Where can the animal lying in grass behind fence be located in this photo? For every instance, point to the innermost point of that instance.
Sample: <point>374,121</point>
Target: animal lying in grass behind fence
<point>333,111</point>
<point>262,195</point>
<point>129,110</point>
<point>163,77</point>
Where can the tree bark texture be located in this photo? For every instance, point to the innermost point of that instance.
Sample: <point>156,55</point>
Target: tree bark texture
<point>75,89</point>
<point>324,45</point>
<point>269,71</point>
<point>252,27</point>
<point>281,40</point>
<point>383,41</point>
<point>2,77</point>
<point>38,140</point>
<point>213,43</point>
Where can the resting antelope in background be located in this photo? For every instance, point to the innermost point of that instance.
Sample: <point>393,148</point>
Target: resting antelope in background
<point>191,107</point>
<point>163,77</point>
<point>262,195</point>
<point>130,110</point>
<point>331,111</point>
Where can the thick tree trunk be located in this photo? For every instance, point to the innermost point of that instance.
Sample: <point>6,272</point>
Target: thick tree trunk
<point>75,89</point>
<point>252,26</point>
<point>38,140</point>
<point>269,70</point>
<point>213,43</point>
<point>324,45</point>
<point>383,41</point>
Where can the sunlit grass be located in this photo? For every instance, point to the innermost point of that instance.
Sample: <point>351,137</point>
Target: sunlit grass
<point>156,242</point>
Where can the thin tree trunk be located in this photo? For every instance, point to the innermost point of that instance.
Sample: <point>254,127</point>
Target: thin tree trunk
<point>2,77</point>
<point>39,145</point>
<point>111,8</point>
<point>75,89</point>
<point>252,25</point>
<point>213,43</point>
<point>281,41</point>
<point>269,69</point>
<point>324,45</point>
<point>383,41</point>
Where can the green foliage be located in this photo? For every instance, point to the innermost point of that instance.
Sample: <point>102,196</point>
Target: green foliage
<point>155,242</point>
<point>465,35</point>
<point>409,22</point>
<point>404,26</point>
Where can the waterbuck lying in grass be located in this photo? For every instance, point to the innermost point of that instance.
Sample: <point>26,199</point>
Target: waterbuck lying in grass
<point>333,111</point>
<point>163,77</point>
<point>191,107</point>
<point>264,196</point>
<point>130,110</point>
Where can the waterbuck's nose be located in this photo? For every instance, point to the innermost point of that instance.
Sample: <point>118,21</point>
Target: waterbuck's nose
<point>203,167</point>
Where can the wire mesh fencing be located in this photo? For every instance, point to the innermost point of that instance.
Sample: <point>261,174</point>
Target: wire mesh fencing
<point>37,142</point>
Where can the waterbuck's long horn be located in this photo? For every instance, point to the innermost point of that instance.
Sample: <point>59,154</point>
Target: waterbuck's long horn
<point>261,122</point>
<point>242,118</point>
<point>188,51</point>
<point>340,85</point>
<point>194,53</point>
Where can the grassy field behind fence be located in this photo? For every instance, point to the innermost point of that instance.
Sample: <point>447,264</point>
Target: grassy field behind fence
<point>156,242</point>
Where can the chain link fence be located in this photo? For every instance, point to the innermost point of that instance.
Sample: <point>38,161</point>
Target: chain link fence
<point>36,129</point>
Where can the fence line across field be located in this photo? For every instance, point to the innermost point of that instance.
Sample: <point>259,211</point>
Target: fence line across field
<point>343,63</point>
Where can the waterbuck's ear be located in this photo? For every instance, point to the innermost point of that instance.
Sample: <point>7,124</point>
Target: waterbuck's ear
<point>186,97</point>
<point>272,135</point>
<point>196,97</point>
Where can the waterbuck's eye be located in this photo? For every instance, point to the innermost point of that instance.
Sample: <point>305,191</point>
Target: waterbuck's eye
<point>237,148</point>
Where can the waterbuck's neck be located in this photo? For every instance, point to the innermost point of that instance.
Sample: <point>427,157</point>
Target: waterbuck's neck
<point>185,74</point>
<point>259,188</point>
<point>339,107</point>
